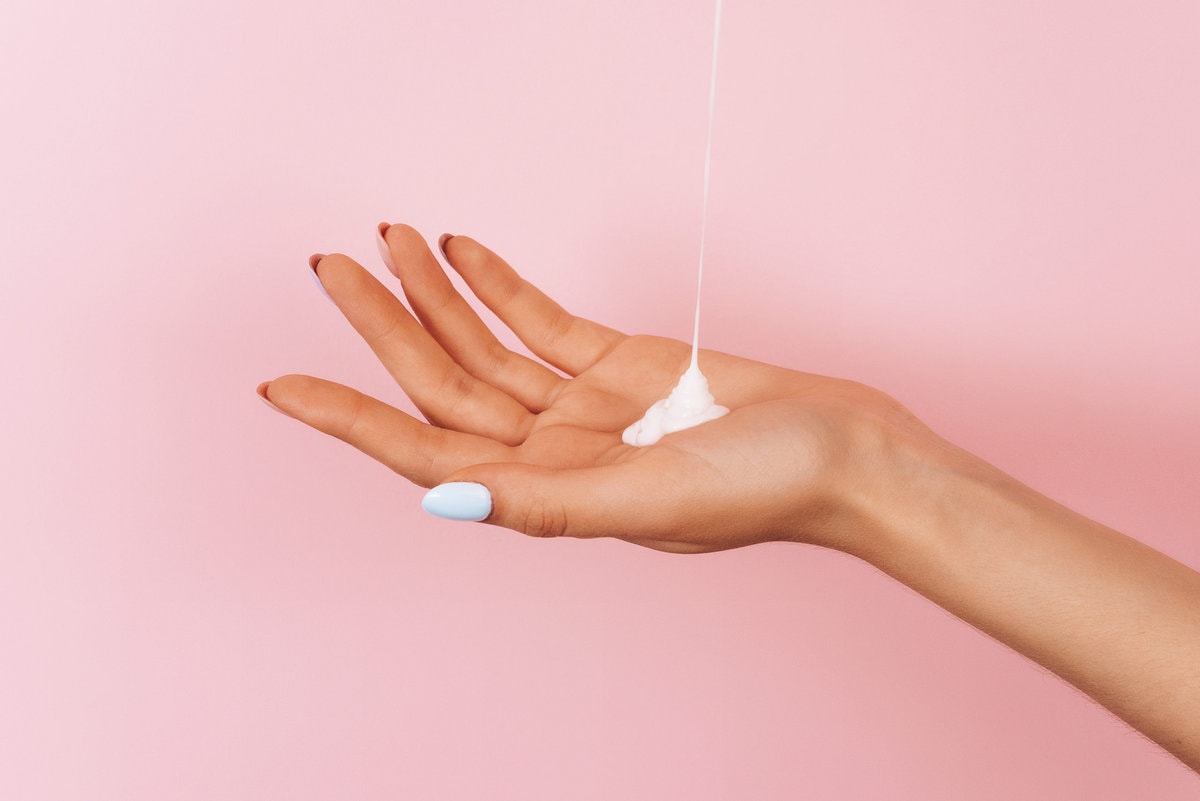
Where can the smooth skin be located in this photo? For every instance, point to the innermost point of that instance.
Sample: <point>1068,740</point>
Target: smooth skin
<point>800,458</point>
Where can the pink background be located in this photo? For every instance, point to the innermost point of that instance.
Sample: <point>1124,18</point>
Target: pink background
<point>987,209</point>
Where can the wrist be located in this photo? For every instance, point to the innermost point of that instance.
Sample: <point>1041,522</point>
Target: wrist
<point>914,495</point>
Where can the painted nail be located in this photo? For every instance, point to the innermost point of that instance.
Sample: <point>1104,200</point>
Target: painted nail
<point>313,261</point>
<point>262,394</point>
<point>459,500</point>
<point>384,252</point>
<point>442,240</point>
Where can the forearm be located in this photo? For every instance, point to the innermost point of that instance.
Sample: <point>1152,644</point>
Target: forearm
<point>1112,616</point>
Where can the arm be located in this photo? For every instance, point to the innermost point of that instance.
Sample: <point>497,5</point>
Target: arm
<point>1115,618</point>
<point>800,457</point>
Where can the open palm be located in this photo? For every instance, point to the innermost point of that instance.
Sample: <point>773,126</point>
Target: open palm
<point>545,436</point>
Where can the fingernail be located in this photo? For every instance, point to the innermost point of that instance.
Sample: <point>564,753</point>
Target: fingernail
<point>313,261</point>
<point>442,240</point>
<point>459,500</point>
<point>384,252</point>
<point>262,394</point>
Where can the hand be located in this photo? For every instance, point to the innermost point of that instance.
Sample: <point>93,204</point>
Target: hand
<point>794,460</point>
<point>799,457</point>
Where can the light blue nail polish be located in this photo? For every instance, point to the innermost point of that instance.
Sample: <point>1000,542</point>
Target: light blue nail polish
<point>458,500</point>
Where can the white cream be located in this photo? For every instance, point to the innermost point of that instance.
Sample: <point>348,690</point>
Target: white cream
<point>689,404</point>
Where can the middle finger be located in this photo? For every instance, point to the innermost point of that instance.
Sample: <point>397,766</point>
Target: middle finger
<point>456,326</point>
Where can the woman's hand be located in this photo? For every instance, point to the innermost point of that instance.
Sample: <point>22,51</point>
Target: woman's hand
<point>797,458</point>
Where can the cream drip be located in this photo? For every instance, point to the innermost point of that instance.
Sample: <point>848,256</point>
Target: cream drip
<point>690,403</point>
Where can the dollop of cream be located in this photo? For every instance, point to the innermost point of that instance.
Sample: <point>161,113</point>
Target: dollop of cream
<point>688,405</point>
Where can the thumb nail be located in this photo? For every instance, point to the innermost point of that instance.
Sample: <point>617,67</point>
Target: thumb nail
<point>459,500</point>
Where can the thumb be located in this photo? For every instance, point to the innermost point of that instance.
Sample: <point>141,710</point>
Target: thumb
<point>609,501</point>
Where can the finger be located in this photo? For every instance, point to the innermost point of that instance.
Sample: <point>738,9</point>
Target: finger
<point>422,453</point>
<point>445,393</point>
<point>614,500</point>
<point>570,343</point>
<point>456,326</point>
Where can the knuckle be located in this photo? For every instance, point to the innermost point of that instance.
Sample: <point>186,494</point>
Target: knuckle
<point>544,519</point>
<point>354,425</point>
<point>559,328</point>
<point>496,359</point>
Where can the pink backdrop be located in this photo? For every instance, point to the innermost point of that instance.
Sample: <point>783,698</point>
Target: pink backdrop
<point>987,209</point>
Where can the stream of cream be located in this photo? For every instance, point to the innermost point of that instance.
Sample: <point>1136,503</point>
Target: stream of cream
<point>690,403</point>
